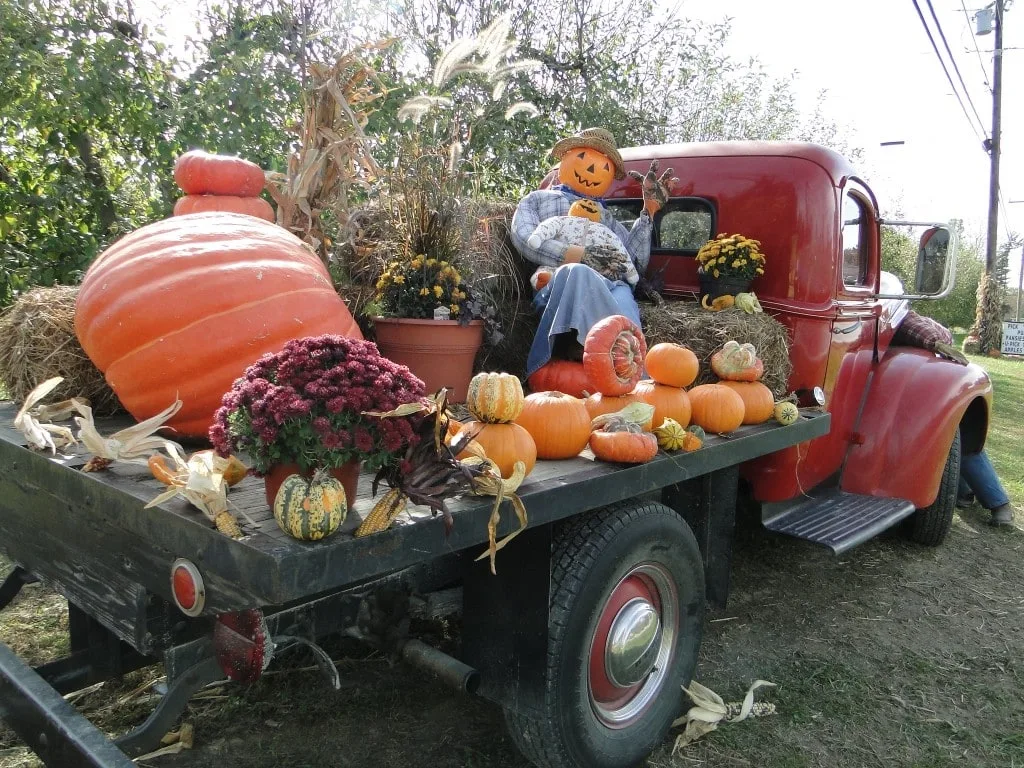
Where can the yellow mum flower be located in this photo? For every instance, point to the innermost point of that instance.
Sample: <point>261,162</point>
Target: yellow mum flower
<point>399,279</point>
<point>416,263</point>
<point>454,309</point>
<point>438,291</point>
<point>735,263</point>
<point>759,271</point>
<point>716,273</point>
<point>431,262</point>
<point>424,292</point>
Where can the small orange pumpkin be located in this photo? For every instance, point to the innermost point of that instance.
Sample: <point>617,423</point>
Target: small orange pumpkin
<point>613,355</point>
<point>560,376</point>
<point>201,173</point>
<point>559,424</point>
<point>624,447</point>
<point>505,444</point>
<point>716,408</point>
<point>495,397</point>
<point>672,364</point>
<point>250,206</point>
<point>599,405</point>
<point>758,401</point>
<point>669,402</point>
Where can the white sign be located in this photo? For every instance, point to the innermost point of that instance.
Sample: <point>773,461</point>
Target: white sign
<point>1013,339</point>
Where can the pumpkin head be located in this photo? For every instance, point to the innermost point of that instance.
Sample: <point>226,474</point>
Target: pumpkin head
<point>613,355</point>
<point>250,206</point>
<point>758,401</point>
<point>586,209</point>
<point>737,362</point>
<point>624,447</point>
<point>587,171</point>
<point>559,424</point>
<point>505,444</point>
<point>181,307</point>
<point>669,402</point>
<point>672,364</point>
<point>715,408</point>
<point>312,509</point>
<point>201,173</point>
<point>564,376</point>
<point>495,397</point>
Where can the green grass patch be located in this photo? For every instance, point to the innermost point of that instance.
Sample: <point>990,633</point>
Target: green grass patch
<point>1006,429</point>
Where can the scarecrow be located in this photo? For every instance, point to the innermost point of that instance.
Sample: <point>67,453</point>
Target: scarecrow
<point>588,281</point>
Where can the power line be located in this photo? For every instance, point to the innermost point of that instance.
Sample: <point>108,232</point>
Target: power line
<point>977,50</point>
<point>956,68</point>
<point>942,63</point>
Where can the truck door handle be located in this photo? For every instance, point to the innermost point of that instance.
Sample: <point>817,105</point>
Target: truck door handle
<point>848,329</point>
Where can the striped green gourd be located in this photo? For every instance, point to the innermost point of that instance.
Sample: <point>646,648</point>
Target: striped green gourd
<point>310,510</point>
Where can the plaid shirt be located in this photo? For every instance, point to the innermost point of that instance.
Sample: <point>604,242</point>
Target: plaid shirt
<point>545,203</point>
<point>920,331</point>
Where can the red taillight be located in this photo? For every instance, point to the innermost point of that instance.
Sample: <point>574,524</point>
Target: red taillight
<point>242,643</point>
<point>187,587</point>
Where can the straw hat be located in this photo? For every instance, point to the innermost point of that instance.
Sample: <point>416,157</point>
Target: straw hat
<point>595,138</point>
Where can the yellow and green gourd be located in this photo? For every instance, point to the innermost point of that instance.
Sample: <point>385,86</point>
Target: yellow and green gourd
<point>310,510</point>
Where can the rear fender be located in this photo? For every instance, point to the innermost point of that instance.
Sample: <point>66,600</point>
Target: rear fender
<point>915,404</point>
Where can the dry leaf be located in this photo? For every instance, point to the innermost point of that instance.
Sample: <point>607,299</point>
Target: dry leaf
<point>131,445</point>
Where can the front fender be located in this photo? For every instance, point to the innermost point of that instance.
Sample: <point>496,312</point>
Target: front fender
<point>914,405</point>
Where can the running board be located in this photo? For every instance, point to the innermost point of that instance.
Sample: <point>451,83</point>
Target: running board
<point>836,519</point>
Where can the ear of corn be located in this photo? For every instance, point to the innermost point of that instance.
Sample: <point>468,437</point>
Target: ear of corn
<point>383,513</point>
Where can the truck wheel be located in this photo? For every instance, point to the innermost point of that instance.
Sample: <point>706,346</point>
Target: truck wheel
<point>624,628</point>
<point>931,524</point>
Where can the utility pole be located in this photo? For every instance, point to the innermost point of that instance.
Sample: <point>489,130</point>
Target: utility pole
<point>995,143</point>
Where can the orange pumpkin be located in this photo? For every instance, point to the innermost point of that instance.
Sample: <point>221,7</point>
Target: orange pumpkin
<point>586,170</point>
<point>624,447</point>
<point>613,355</point>
<point>559,424</point>
<point>672,364</point>
<point>182,307</point>
<point>669,402</point>
<point>560,376</point>
<point>505,444</point>
<point>737,362</point>
<point>599,405</point>
<point>758,401</point>
<point>201,173</point>
<point>716,408</point>
<point>250,206</point>
<point>495,397</point>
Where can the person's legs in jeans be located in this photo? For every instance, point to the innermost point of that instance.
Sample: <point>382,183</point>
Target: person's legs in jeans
<point>980,476</point>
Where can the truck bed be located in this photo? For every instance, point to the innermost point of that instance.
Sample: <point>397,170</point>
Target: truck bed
<point>89,534</point>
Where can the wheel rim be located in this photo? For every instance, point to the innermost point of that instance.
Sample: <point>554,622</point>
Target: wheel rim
<point>633,645</point>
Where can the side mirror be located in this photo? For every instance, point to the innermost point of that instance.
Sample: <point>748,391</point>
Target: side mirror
<point>933,257</point>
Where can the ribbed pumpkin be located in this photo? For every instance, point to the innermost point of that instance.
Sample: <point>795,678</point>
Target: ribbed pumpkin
<point>624,447</point>
<point>496,398</point>
<point>180,308</point>
<point>758,401</point>
<point>715,408</point>
<point>312,509</point>
<point>669,402</point>
<point>672,364</point>
<point>250,206</point>
<point>613,355</point>
<point>558,423</point>
<point>560,376</point>
<point>599,405</point>
<point>505,444</point>
<point>202,173</point>
<point>737,362</point>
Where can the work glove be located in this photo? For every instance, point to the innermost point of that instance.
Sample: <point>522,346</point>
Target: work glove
<point>656,189</point>
<point>949,352</point>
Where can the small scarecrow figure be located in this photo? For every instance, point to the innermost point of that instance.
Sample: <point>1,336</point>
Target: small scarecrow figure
<point>589,282</point>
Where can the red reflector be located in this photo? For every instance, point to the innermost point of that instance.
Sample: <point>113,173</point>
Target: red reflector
<point>242,643</point>
<point>187,587</point>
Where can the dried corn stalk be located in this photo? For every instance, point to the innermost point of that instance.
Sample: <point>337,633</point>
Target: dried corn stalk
<point>33,423</point>
<point>200,481</point>
<point>709,709</point>
<point>131,445</point>
<point>490,483</point>
<point>333,156</point>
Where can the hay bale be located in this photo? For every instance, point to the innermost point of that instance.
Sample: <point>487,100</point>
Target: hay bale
<point>38,342</point>
<point>684,322</point>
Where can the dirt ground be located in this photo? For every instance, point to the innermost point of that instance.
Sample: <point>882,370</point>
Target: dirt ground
<point>890,655</point>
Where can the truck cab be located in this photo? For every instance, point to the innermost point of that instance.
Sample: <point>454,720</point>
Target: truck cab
<point>898,413</point>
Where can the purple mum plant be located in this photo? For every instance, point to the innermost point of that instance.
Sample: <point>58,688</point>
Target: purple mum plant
<point>306,405</point>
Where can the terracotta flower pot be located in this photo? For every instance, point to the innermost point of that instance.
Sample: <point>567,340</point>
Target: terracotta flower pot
<point>347,474</point>
<point>440,352</point>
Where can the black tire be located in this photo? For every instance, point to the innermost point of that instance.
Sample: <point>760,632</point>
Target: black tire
<point>592,559</point>
<point>930,525</point>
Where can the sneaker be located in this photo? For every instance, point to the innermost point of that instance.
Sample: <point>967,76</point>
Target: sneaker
<point>1002,515</point>
<point>965,502</point>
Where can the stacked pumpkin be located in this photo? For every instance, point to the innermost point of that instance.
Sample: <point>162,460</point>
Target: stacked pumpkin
<point>496,401</point>
<point>738,397</point>
<point>220,183</point>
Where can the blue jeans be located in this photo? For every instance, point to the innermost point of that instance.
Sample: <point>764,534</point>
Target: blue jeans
<point>978,475</point>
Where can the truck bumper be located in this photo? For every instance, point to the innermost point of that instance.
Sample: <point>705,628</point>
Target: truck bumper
<point>54,730</point>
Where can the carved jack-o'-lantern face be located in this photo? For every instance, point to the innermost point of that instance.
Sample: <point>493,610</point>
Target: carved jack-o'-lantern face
<point>586,170</point>
<point>587,209</point>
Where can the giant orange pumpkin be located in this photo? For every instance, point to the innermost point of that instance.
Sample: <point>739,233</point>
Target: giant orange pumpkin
<point>558,423</point>
<point>586,170</point>
<point>180,308</point>
<point>250,206</point>
<point>669,402</point>
<point>201,173</point>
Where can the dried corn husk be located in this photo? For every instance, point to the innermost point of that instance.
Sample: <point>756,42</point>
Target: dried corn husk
<point>200,481</point>
<point>490,483</point>
<point>39,434</point>
<point>131,445</point>
<point>709,709</point>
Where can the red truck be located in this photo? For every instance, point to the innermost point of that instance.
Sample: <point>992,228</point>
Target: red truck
<point>594,619</point>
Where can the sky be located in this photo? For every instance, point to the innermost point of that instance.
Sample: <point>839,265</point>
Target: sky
<point>884,83</point>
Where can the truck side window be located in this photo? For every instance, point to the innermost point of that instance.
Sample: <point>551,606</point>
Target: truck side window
<point>855,220</point>
<point>682,226</point>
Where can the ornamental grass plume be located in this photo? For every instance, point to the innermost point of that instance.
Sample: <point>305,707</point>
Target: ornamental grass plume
<point>731,256</point>
<point>307,405</point>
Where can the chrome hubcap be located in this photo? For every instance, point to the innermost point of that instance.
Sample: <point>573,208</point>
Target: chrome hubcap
<point>633,643</point>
